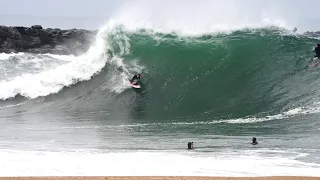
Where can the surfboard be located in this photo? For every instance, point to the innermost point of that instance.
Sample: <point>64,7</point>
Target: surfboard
<point>315,62</point>
<point>137,86</point>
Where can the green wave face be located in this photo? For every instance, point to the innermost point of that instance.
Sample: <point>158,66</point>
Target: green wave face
<point>243,73</point>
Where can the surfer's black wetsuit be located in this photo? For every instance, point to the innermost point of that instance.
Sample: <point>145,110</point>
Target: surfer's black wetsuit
<point>317,51</point>
<point>135,77</point>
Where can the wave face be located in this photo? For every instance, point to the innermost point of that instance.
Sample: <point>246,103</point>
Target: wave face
<point>239,74</point>
<point>231,64</point>
<point>250,72</point>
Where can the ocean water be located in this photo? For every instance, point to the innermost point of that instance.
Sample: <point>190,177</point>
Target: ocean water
<point>216,85</point>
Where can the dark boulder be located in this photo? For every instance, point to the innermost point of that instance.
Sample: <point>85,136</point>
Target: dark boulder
<point>4,33</point>
<point>21,30</point>
<point>36,27</point>
<point>30,32</point>
<point>31,42</point>
<point>44,37</point>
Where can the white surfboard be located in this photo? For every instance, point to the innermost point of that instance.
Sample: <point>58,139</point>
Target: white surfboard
<point>315,62</point>
<point>137,86</point>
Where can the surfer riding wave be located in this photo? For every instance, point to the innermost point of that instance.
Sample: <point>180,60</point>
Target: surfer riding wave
<point>316,60</point>
<point>135,79</point>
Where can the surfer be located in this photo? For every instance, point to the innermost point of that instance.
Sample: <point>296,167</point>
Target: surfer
<point>317,51</point>
<point>190,145</point>
<point>135,79</point>
<point>254,141</point>
<point>316,60</point>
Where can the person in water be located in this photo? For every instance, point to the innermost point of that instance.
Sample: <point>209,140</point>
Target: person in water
<point>190,145</point>
<point>254,141</point>
<point>317,51</point>
<point>135,79</point>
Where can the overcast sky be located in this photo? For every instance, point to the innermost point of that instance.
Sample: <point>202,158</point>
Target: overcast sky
<point>60,7</point>
<point>75,13</point>
<point>93,14</point>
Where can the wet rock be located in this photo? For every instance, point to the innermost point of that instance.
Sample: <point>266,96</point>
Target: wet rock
<point>35,39</point>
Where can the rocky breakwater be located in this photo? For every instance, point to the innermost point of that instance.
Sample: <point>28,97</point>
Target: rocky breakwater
<point>35,39</point>
<point>312,34</point>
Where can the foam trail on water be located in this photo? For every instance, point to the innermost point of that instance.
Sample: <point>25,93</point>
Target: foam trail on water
<point>313,109</point>
<point>14,105</point>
